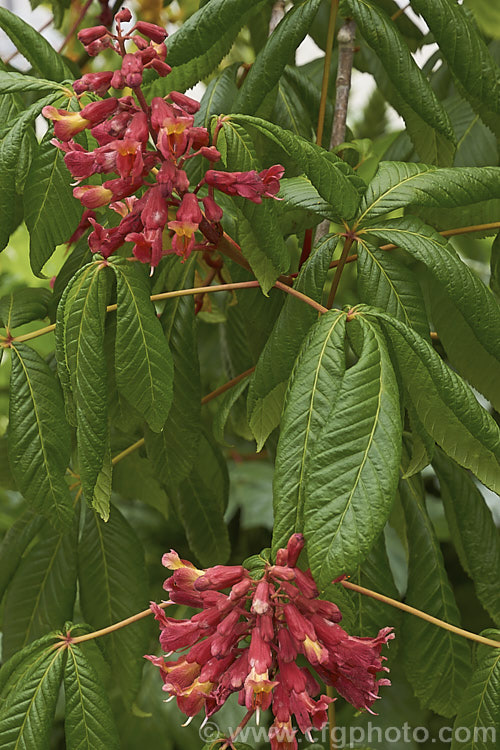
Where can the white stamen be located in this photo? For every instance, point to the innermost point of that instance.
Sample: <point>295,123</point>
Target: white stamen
<point>309,736</point>
<point>188,722</point>
<point>257,715</point>
<point>151,272</point>
<point>203,722</point>
<point>167,700</point>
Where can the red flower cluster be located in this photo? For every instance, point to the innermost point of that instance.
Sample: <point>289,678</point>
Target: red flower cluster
<point>248,641</point>
<point>146,148</point>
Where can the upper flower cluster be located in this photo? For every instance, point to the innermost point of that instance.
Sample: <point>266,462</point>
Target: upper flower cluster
<point>248,641</point>
<point>146,148</point>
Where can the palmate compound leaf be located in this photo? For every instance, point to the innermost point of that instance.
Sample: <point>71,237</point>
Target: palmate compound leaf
<point>143,362</point>
<point>275,55</point>
<point>113,586</point>
<point>199,45</point>
<point>334,179</point>
<point>174,450</point>
<point>50,211</point>
<point>471,338</point>
<point>312,392</point>
<point>473,531</point>
<point>401,184</point>
<point>34,47</point>
<point>437,662</point>
<point>88,720</point>
<point>467,56</point>
<point>269,382</point>
<point>352,473</point>
<point>444,403</point>
<point>27,712</point>
<point>258,231</point>
<point>385,281</point>
<point>39,436</point>
<point>42,592</point>
<point>81,364</point>
<point>477,725</point>
<point>427,121</point>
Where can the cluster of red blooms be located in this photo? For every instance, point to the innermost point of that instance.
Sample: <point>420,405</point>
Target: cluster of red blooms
<point>146,146</point>
<point>248,641</point>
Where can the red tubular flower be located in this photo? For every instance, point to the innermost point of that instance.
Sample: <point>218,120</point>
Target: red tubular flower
<point>184,102</point>
<point>99,83</point>
<point>93,196</point>
<point>152,31</point>
<point>184,226</point>
<point>86,36</point>
<point>66,124</point>
<point>132,68</point>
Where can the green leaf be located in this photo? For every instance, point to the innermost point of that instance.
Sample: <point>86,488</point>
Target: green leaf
<point>334,179</point>
<point>370,614</point>
<point>398,184</point>
<point>102,490</point>
<point>34,47</point>
<point>467,56</point>
<point>15,669</point>
<point>50,211</point>
<point>82,366</point>
<point>385,281</point>
<point>352,473</point>
<point>133,478</point>
<point>428,122</point>
<point>199,45</point>
<point>11,82</point>
<point>143,362</point>
<point>312,392</point>
<point>487,16</point>
<point>15,541</point>
<point>495,266</point>
<point>225,405</point>
<point>473,531</point>
<point>422,444</point>
<point>298,192</point>
<point>42,592</point>
<point>258,231</point>
<point>478,712</point>
<point>201,501</point>
<point>445,404</point>
<point>269,382</point>
<point>218,97</point>
<point>27,714</point>
<point>24,305</point>
<point>39,436</point>
<point>476,144</point>
<point>174,449</point>
<point>275,55</point>
<point>88,721</point>
<point>290,112</point>
<point>475,310</point>
<point>113,585</point>
<point>437,662</point>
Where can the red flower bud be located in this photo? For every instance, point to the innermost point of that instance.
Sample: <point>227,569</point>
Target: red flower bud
<point>132,68</point>
<point>210,153</point>
<point>123,15</point>
<point>220,576</point>
<point>213,212</point>
<point>86,36</point>
<point>184,102</point>
<point>296,542</point>
<point>99,83</point>
<point>152,31</point>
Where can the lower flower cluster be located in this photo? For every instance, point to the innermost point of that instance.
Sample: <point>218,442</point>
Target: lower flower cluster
<point>250,640</point>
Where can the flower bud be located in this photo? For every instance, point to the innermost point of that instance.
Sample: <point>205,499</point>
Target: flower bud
<point>123,15</point>
<point>210,153</point>
<point>152,31</point>
<point>132,68</point>
<point>220,576</point>
<point>86,36</point>
<point>184,102</point>
<point>296,542</point>
<point>213,212</point>
<point>99,83</point>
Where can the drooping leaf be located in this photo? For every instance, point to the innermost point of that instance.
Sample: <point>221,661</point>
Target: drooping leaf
<point>473,531</point>
<point>312,392</point>
<point>88,720</point>
<point>174,449</point>
<point>225,406</point>
<point>82,366</point>
<point>218,97</point>
<point>26,715</point>
<point>398,184</point>
<point>198,46</point>
<point>437,662</point>
<point>15,541</point>
<point>143,362</point>
<point>50,211</point>
<point>495,266</point>
<point>42,592</point>
<point>269,382</point>
<point>467,55</point>
<point>24,305</point>
<point>134,478</point>
<point>17,667</point>
<point>446,406</point>
<point>476,311</point>
<point>102,490</point>
<point>422,444</point>
<point>478,711</point>
<point>476,144</point>
<point>201,500</point>
<point>290,112</point>
<point>384,281</point>
<point>352,473</point>
<point>12,82</point>
<point>39,436</point>
<point>113,585</point>
<point>427,121</point>
<point>34,47</point>
<point>276,53</point>
<point>334,180</point>
<point>298,192</point>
